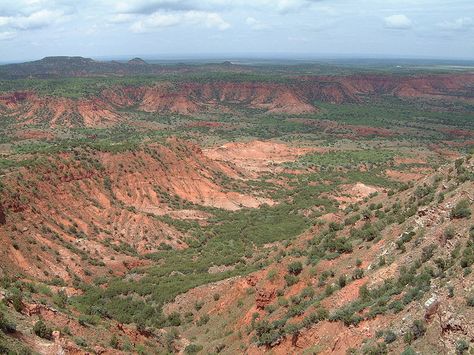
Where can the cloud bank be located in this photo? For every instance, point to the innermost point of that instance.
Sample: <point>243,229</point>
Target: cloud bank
<point>32,28</point>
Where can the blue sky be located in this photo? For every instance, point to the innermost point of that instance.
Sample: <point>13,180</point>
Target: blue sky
<point>31,29</point>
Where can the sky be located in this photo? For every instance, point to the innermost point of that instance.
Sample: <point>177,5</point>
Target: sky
<point>32,29</point>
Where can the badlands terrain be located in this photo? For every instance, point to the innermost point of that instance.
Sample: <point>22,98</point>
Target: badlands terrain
<point>235,209</point>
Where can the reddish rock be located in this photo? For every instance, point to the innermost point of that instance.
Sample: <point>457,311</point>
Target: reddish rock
<point>251,280</point>
<point>264,297</point>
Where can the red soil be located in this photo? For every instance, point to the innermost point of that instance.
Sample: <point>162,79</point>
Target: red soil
<point>255,157</point>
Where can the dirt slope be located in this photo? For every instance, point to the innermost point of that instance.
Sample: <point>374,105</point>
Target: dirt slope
<point>427,311</point>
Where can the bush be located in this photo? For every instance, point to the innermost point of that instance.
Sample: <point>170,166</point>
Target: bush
<point>60,299</point>
<point>364,293</point>
<point>295,268</point>
<point>418,329</point>
<point>268,333</point>
<point>342,281</point>
<point>461,210</point>
<point>408,351</point>
<point>114,342</point>
<point>203,320</point>
<point>85,320</point>
<point>81,342</point>
<point>174,319</point>
<point>470,301</point>
<point>272,275</point>
<point>427,252</point>
<point>17,300</point>
<point>5,325</point>
<point>42,330</point>
<point>461,347</point>
<point>357,274</point>
<point>377,349</point>
<point>193,349</point>
<point>291,279</point>
<point>396,306</point>
<point>390,337</point>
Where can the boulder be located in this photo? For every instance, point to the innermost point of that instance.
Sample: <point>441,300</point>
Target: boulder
<point>431,307</point>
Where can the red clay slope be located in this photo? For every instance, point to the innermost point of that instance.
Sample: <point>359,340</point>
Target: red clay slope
<point>106,205</point>
<point>294,97</point>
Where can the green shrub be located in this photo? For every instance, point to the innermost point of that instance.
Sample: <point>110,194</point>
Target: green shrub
<point>16,298</point>
<point>60,299</point>
<point>291,279</point>
<point>295,268</point>
<point>42,330</point>
<point>408,351</point>
<point>390,337</point>
<point>268,333</point>
<point>461,210</point>
<point>462,347</point>
<point>449,233</point>
<point>81,342</point>
<point>203,320</point>
<point>364,293</point>
<point>376,349</point>
<point>342,281</point>
<point>418,329</point>
<point>193,349</point>
<point>272,275</point>
<point>114,342</point>
<point>358,274</point>
<point>174,319</point>
<point>5,325</point>
<point>86,320</point>
<point>470,301</point>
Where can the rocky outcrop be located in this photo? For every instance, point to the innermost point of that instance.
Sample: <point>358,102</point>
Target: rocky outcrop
<point>264,297</point>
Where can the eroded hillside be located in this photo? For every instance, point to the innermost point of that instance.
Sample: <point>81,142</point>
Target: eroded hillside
<point>234,209</point>
<point>295,96</point>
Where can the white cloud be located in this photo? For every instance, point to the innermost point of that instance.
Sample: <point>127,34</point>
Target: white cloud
<point>398,22</point>
<point>7,35</point>
<point>122,18</point>
<point>169,19</point>
<point>460,24</point>
<point>255,24</point>
<point>147,7</point>
<point>151,6</point>
<point>35,20</point>
<point>39,19</point>
<point>4,20</point>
